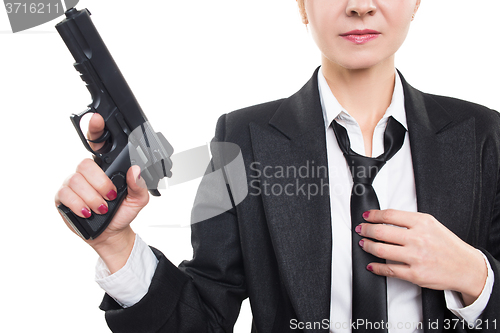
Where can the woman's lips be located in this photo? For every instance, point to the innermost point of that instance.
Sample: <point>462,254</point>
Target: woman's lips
<point>360,36</point>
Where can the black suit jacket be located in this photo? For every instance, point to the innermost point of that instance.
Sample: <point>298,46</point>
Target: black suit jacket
<point>277,249</point>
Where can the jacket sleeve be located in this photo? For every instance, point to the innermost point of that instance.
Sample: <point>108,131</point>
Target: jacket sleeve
<point>490,319</point>
<point>489,235</point>
<point>203,294</point>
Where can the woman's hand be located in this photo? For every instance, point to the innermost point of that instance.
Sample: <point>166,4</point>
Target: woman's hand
<point>430,255</point>
<point>89,189</point>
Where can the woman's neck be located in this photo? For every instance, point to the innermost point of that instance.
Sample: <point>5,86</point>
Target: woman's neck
<point>364,93</point>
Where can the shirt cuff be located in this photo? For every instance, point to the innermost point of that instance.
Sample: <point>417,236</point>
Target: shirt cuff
<point>130,284</point>
<point>472,312</point>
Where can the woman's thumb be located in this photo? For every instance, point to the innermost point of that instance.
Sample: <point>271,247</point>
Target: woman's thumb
<point>137,187</point>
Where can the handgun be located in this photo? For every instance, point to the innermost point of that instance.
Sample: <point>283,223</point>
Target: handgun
<point>128,137</point>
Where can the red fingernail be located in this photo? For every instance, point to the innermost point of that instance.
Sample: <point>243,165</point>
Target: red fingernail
<point>139,177</point>
<point>361,243</point>
<point>86,213</point>
<point>103,209</point>
<point>112,195</point>
<point>366,214</point>
<point>370,268</point>
<point>358,229</point>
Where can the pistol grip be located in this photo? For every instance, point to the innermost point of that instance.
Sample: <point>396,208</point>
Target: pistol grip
<point>92,227</point>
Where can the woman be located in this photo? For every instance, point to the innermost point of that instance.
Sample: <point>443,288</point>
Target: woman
<point>295,253</point>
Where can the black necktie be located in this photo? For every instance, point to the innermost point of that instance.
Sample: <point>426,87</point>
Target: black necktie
<point>369,291</point>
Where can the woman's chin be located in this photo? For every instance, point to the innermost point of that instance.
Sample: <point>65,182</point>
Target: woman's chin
<point>357,63</point>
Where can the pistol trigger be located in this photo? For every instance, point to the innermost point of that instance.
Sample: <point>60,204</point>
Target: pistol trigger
<point>102,138</point>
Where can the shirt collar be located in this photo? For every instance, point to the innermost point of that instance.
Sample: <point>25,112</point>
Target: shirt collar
<point>332,108</point>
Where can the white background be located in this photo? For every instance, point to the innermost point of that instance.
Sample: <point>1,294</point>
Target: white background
<point>187,62</point>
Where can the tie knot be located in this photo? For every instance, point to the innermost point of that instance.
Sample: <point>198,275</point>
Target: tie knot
<point>363,169</point>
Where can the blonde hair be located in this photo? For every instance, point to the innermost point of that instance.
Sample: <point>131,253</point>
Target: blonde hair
<point>302,10</point>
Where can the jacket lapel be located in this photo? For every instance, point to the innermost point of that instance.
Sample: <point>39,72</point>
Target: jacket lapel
<point>444,168</point>
<point>291,156</point>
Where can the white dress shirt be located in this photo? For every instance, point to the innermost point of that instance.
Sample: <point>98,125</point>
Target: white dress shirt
<point>128,285</point>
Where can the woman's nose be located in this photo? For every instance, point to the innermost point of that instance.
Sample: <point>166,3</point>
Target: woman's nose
<point>360,7</point>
